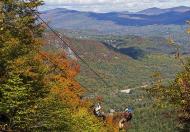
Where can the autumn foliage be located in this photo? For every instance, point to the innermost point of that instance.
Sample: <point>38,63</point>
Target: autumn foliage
<point>38,90</point>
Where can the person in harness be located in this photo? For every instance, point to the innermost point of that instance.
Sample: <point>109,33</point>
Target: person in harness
<point>128,114</point>
<point>118,119</point>
<point>98,111</point>
<point>125,118</point>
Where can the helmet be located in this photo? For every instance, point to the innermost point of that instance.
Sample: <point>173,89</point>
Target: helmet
<point>129,110</point>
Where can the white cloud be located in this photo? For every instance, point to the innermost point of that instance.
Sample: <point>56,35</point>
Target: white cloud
<point>114,5</point>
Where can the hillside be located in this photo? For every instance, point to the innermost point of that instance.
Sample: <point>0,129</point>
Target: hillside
<point>124,72</point>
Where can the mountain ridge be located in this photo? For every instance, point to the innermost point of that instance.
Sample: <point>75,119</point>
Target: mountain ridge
<point>71,19</point>
<point>175,9</point>
<point>157,11</point>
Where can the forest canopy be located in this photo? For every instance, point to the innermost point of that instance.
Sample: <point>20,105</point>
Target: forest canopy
<point>38,90</point>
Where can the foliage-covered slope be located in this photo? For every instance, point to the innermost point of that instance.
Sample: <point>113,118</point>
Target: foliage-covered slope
<point>123,72</point>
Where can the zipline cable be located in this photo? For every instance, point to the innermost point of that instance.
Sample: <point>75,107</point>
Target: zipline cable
<point>64,42</point>
<point>67,44</point>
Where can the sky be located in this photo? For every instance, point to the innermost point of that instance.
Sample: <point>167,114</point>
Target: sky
<point>112,5</point>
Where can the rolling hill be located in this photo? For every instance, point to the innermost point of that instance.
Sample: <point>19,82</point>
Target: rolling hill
<point>71,19</point>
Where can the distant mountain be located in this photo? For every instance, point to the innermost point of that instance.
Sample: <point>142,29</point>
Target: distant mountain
<point>71,19</point>
<point>58,11</point>
<point>157,11</point>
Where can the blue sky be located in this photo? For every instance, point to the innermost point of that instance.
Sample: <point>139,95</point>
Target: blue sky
<point>113,5</point>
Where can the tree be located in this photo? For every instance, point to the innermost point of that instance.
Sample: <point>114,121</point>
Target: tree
<point>21,77</point>
<point>38,91</point>
<point>177,93</point>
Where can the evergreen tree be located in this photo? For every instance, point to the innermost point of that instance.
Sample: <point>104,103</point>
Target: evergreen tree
<point>37,89</point>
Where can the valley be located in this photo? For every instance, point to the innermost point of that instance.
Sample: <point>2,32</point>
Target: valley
<point>126,56</point>
<point>124,67</point>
